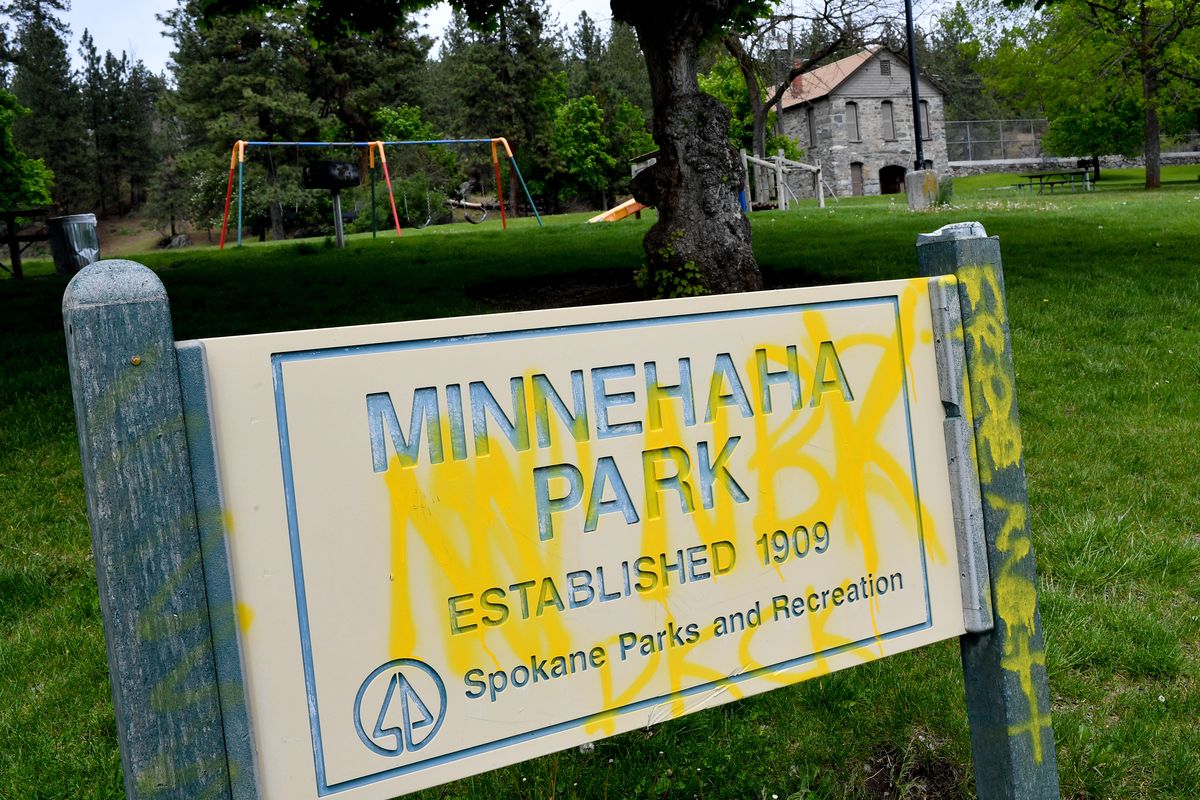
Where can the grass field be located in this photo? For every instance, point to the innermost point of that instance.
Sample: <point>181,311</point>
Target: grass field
<point>1104,294</point>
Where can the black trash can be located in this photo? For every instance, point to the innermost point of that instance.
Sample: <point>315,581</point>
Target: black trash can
<point>73,242</point>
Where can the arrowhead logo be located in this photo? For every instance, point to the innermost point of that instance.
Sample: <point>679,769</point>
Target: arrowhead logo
<point>406,700</point>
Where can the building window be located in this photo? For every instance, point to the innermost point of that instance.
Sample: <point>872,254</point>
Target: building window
<point>852,122</point>
<point>812,127</point>
<point>926,128</point>
<point>885,68</point>
<point>887,120</point>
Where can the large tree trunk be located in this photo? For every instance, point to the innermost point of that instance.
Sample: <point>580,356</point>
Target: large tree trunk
<point>701,240</point>
<point>1153,145</point>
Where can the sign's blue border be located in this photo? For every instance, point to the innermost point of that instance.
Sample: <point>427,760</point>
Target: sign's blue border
<point>278,360</point>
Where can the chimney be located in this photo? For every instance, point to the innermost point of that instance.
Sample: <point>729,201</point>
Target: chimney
<point>797,87</point>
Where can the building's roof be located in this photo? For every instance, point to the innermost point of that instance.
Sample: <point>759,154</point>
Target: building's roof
<point>815,84</point>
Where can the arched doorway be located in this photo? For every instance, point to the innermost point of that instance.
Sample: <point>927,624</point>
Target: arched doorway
<point>891,179</point>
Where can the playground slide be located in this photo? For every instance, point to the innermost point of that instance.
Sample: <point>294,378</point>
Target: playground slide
<point>622,211</point>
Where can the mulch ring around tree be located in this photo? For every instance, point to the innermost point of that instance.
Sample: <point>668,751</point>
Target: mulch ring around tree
<point>597,287</point>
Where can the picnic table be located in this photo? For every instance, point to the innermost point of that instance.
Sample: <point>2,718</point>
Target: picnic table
<point>14,239</point>
<point>1076,179</point>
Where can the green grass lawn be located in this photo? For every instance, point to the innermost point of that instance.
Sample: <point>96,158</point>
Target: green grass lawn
<point>1104,294</point>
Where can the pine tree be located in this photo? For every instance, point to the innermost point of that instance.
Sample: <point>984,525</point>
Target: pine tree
<point>42,82</point>
<point>170,191</point>
<point>118,105</point>
<point>243,77</point>
<point>95,113</point>
<point>506,80</point>
<point>354,76</point>
<point>135,121</point>
<point>625,66</point>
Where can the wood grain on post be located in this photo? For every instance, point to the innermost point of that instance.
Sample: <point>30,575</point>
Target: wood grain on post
<point>144,533</point>
<point>1008,697</point>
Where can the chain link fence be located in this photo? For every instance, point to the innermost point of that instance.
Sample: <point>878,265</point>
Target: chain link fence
<point>1181,144</point>
<point>996,139</point>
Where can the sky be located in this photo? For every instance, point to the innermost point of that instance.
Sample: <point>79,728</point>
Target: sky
<point>132,25</point>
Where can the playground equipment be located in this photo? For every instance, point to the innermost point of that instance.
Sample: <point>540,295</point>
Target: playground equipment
<point>781,167</point>
<point>334,176</point>
<point>237,161</point>
<point>615,213</point>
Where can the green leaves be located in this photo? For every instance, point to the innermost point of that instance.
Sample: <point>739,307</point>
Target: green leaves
<point>24,181</point>
<point>581,145</point>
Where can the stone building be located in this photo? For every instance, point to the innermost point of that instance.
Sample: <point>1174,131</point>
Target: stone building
<point>855,117</point>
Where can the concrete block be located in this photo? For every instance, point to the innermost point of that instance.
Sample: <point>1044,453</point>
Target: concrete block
<point>922,188</point>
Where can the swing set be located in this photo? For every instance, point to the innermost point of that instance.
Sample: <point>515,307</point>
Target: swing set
<point>237,161</point>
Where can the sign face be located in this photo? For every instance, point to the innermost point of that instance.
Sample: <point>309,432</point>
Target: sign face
<point>458,544</point>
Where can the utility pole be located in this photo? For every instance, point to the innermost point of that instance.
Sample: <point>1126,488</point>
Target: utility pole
<point>916,92</point>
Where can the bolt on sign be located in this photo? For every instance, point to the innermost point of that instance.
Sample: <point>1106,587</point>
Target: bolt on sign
<point>458,544</point>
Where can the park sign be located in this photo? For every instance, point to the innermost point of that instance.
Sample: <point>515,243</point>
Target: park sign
<point>468,542</point>
<point>435,548</point>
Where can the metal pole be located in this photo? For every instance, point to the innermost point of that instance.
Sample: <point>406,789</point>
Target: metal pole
<point>241,163</point>
<point>516,169</point>
<point>916,92</point>
<point>374,225</point>
<point>499,186</point>
<point>338,233</point>
<point>228,192</point>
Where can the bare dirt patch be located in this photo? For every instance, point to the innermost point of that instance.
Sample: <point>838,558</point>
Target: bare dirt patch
<point>919,771</point>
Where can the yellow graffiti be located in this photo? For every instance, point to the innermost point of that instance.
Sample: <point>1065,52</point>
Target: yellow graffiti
<point>680,669</point>
<point>245,617</point>
<point>991,396</point>
<point>1016,605</point>
<point>466,525</point>
<point>474,535</point>
<point>998,435</point>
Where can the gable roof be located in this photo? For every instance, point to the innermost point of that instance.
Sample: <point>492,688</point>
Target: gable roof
<point>819,82</point>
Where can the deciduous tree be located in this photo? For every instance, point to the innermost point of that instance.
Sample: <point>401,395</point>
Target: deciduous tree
<point>24,182</point>
<point>582,148</point>
<point>1147,45</point>
<point>701,235</point>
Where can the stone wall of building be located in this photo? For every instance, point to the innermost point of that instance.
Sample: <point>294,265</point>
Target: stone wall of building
<point>837,152</point>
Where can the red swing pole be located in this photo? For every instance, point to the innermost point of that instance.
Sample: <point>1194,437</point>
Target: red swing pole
<point>391,195</point>
<point>499,186</point>
<point>228,193</point>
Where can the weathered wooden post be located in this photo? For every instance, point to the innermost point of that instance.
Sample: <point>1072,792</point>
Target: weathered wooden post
<point>144,533</point>
<point>746,181</point>
<point>780,188</point>
<point>819,183</point>
<point>1008,698</point>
